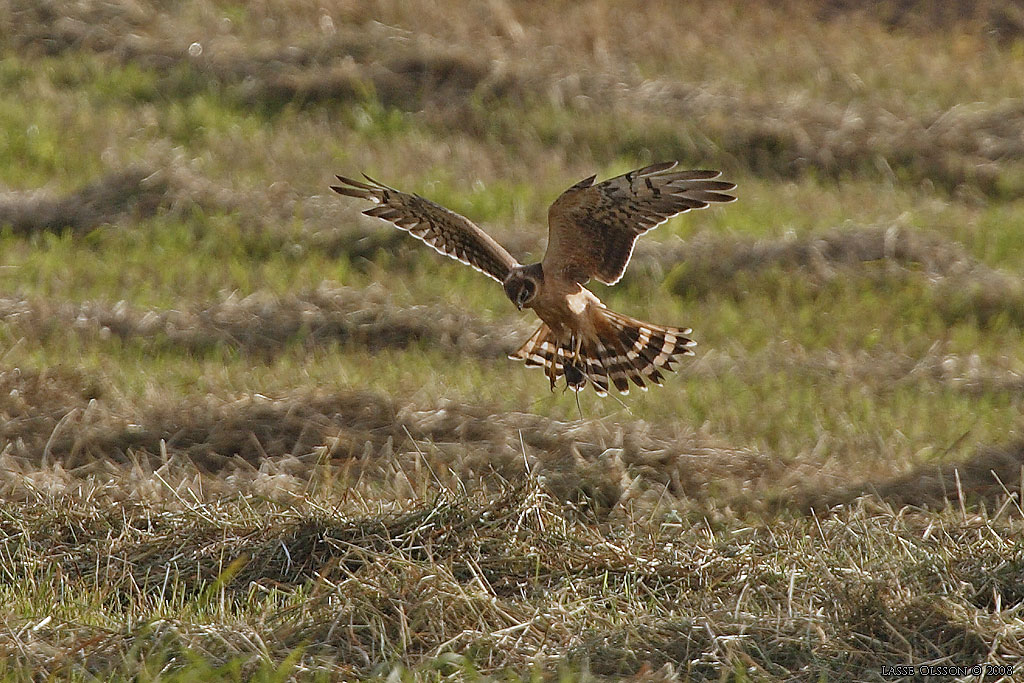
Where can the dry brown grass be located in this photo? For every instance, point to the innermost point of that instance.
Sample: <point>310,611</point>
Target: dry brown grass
<point>953,284</point>
<point>1005,20</point>
<point>991,476</point>
<point>519,582</point>
<point>133,192</point>
<point>265,325</point>
<point>713,262</point>
<point>63,432</point>
<point>374,443</point>
<point>349,64</point>
<point>120,197</point>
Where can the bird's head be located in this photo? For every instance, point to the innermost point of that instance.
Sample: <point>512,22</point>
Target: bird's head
<point>523,283</point>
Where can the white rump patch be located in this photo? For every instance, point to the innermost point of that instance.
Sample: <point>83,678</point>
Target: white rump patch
<point>577,302</point>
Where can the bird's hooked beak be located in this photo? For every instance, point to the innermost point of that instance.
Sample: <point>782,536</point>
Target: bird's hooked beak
<point>519,305</point>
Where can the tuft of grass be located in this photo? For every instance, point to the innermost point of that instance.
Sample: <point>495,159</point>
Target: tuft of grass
<point>132,192</point>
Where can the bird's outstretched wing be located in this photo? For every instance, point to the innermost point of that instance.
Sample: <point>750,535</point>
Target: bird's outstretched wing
<point>592,228</point>
<point>446,231</point>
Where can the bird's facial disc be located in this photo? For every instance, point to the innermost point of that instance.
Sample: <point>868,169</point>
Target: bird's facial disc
<point>519,289</point>
<point>511,287</point>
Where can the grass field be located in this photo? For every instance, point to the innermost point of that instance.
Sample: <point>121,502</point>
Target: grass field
<point>249,434</point>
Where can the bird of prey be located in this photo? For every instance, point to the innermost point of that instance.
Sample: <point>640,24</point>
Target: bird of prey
<point>591,232</point>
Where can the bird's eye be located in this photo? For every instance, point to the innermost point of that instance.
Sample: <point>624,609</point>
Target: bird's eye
<point>526,292</point>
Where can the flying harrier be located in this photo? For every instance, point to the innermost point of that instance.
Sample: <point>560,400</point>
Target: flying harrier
<point>591,233</point>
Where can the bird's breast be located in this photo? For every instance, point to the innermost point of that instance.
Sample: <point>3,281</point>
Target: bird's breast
<point>567,313</point>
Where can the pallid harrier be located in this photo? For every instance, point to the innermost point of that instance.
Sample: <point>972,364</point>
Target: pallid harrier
<point>591,233</point>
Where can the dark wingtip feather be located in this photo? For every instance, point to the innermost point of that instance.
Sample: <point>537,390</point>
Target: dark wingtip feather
<point>717,185</point>
<point>379,185</point>
<point>354,183</point>
<point>583,184</point>
<point>705,196</point>
<point>696,174</point>
<point>659,167</point>
<point>350,192</point>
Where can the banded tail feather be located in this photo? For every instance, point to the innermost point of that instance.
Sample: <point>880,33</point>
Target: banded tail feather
<point>624,350</point>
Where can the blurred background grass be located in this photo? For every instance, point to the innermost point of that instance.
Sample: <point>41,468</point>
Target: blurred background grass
<point>885,117</point>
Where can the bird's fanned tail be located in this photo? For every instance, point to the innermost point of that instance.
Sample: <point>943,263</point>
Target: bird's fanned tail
<point>624,350</point>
